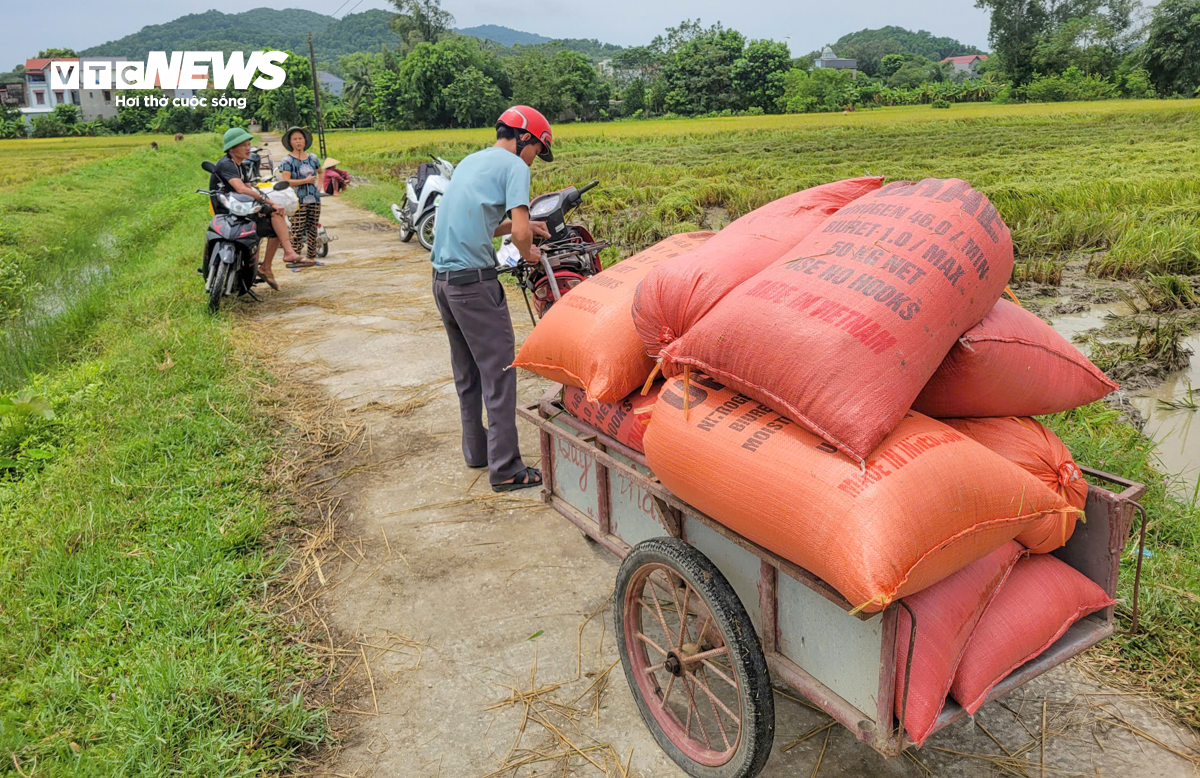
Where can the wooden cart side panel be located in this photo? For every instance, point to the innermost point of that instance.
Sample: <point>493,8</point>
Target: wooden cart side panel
<point>1096,546</point>
<point>842,653</point>
<point>739,566</point>
<point>573,474</point>
<point>632,504</point>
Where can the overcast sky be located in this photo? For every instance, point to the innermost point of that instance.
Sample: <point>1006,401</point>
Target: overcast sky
<point>805,25</point>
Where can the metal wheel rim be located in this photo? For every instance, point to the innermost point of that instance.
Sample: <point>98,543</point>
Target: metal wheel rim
<point>646,601</point>
<point>426,228</point>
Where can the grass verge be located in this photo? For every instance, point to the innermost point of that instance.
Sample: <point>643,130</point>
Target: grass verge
<point>134,638</point>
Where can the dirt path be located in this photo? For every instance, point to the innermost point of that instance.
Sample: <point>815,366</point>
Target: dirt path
<point>451,595</point>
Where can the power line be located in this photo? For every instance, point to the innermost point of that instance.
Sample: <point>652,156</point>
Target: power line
<point>356,5</point>
<point>340,7</point>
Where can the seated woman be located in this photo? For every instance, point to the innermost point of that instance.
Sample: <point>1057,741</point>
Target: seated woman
<point>335,180</point>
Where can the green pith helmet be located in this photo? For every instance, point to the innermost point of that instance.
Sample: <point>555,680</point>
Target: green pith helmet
<point>234,136</point>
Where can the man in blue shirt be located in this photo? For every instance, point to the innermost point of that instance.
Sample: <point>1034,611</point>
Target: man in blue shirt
<point>471,299</point>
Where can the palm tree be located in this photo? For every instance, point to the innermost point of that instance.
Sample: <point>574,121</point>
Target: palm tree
<point>358,83</point>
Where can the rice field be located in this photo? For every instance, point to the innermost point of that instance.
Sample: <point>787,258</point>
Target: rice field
<point>27,159</point>
<point>1116,178</point>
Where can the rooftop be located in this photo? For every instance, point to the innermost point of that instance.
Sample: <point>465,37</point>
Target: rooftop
<point>42,62</point>
<point>966,59</point>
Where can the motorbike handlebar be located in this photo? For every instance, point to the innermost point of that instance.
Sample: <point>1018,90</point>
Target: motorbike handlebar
<point>590,186</point>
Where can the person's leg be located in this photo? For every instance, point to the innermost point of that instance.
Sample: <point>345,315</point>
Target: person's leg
<point>312,219</point>
<point>279,224</point>
<point>269,255</point>
<point>481,312</point>
<point>466,382</point>
<point>296,230</point>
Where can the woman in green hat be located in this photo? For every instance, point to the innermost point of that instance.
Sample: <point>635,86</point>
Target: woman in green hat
<point>271,222</point>
<point>300,169</point>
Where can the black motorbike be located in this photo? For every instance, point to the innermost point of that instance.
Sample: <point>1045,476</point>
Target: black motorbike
<point>231,245</point>
<point>569,256</point>
<point>252,166</point>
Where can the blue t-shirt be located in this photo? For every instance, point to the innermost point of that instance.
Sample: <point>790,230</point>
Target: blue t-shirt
<point>302,168</point>
<point>484,186</point>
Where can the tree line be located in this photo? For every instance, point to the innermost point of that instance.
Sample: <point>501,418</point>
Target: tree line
<point>1042,50</point>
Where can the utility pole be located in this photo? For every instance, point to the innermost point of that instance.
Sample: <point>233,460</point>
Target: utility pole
<point>316,87</point>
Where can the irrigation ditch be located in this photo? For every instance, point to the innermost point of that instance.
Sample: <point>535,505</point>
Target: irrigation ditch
<point>1145,334</point>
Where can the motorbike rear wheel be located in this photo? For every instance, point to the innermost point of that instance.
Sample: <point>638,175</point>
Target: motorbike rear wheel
<point>217,290</point>
<point>425,228</point>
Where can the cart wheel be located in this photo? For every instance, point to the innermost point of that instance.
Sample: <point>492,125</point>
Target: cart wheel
<point>694,661</point>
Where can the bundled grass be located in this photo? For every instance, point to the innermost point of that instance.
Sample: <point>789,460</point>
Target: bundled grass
<point>1161,294</point>
<point>1160,342</point>
<point>1161,242</point>
<point>1041,271</point>
<point>133,637</point>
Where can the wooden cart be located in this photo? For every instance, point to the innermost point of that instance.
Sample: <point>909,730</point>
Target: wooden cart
<point>701,613</point>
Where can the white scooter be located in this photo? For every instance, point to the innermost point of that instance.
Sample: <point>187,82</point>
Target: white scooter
<point>425,191</point>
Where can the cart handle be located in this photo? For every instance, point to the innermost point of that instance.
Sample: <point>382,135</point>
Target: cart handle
<point>1137,574</point>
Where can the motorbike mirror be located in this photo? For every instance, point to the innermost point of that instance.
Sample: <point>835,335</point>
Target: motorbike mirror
<point>208,167</point>
<point>280,186</point>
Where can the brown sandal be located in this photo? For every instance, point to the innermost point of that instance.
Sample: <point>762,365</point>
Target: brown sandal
<point>269,279</point>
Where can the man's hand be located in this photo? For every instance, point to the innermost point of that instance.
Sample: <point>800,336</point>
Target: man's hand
<point>534,256</point>
<point>539,229</point>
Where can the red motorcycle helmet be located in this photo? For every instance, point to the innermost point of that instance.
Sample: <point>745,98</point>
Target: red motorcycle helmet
<point>530,120</point>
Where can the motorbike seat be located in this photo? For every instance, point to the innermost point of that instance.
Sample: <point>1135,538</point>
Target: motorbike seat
<point>425,170</point>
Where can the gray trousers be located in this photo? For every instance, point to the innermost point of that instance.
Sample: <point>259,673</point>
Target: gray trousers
<point>481,347</point>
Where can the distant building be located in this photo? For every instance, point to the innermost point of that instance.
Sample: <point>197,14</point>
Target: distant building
<point>830,60</point>
<point>97,102</point>
<point>12,94</point>
<point>331,82</point>
<point>968,63</point>
<point>41,99</point>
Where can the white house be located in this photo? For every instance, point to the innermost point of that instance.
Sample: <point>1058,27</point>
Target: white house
<point>968,63</point>
<point>830,60</point>
<point>40,98</point>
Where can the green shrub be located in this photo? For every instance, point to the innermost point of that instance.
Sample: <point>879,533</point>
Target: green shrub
<point>1071,84</point>
<point>940,104</point>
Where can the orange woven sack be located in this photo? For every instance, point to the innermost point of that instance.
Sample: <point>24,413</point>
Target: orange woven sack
<point>587,338</point>
<point>1034,448</point>
<point>676,294</point>
<point>928,502</point>
<point>625,420</point>
<point>843,332</point>
<point>1041,599</point>
<point>947,613</point>
<point>1012,364</point>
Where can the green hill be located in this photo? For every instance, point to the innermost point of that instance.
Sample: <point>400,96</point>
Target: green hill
<point>505,36</point>
<point>870,46</point>
<point>267,28</point>
<point>258,29</point>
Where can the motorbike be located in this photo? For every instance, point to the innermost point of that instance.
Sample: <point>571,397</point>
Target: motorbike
<point>569,256</point>
<point>323,240</point>
<point>252,166</point>
<point>231,245</point>
<point>424,190</point>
